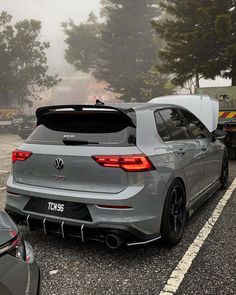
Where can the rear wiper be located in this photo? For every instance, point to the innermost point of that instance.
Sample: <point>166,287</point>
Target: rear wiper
<point>78,142</point>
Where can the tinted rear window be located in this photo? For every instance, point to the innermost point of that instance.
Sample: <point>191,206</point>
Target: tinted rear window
<point>161,128</point>
<point>103,128</point>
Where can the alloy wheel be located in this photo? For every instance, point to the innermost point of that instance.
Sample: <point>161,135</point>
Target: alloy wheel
<point>176,211</point>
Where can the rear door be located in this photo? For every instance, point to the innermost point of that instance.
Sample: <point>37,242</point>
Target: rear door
<point>63,146</point>
<point>186,148</point>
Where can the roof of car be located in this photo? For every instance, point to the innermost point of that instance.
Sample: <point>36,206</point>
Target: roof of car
<point>123,107</point>
<point>126,109</point>
<point>138,106</point>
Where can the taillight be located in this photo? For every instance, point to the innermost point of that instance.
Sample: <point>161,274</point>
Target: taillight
<point>18,155</point>
<point>15,247</point>
<point>130,163</point>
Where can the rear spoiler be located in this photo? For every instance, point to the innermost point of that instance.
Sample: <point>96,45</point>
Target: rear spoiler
<point>41,112</point>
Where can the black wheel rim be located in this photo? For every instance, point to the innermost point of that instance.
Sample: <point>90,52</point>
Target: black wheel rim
<point>177,211</point>
<point>225,172</point>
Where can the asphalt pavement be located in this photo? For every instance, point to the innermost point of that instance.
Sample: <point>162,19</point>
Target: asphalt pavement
<point>71,267</point>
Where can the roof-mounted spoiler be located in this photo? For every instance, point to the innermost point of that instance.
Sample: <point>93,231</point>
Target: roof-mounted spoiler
<point>40,112</point>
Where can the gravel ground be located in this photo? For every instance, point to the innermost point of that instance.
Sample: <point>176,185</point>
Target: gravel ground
<point>92,269</point>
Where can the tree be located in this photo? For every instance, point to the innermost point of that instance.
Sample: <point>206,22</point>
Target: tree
<point>200,40</point>
<point>84,43</point>
<point>23,62</point>
<point>129,50</point>
<point>126,49</point>
<point>155,84</point>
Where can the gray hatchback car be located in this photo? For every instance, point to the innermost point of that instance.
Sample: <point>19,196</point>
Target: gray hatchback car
<point>121,173</point>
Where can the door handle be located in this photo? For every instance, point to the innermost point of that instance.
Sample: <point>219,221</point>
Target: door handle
<point>204,148</point>
<point>181,152</point>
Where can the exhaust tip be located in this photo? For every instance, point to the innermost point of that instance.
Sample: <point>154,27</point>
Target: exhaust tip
<point>113,241</point>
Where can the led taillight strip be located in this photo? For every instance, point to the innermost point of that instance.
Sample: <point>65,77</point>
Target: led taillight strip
<point>18,155</point>
<point>130,163</point>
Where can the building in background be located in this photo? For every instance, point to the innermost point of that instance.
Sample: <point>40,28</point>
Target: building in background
<point>76,88</point>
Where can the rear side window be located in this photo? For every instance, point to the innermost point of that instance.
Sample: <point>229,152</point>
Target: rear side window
<point>175,124</point>
<point>161,128</point>
<point>196,127</point>
<point>86,127</point>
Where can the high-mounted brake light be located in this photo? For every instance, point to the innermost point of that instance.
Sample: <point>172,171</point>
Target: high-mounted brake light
<point>18,155</point>
<point>130,163</point>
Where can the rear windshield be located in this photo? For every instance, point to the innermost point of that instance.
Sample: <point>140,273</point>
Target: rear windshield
<point>87,127</point>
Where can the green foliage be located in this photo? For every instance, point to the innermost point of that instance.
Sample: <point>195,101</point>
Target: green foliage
<point>23,62</point>
<point>200,39</point>
<point>155,84</point>
<point>84,43</point>
<point>129,50</point>
<point>124,49</point>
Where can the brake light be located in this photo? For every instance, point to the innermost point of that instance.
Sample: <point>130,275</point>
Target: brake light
<point>15,247</point>
<point>130,163</point>
<point>18,155</point>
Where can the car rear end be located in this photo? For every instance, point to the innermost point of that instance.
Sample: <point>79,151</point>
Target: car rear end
<point>81,173</point>
<point>19,273</point>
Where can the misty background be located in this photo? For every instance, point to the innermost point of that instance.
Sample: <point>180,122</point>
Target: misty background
<point>52,13</point>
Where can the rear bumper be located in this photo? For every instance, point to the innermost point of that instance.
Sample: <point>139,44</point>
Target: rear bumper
<point>140,223</point>
<point>97,232</point>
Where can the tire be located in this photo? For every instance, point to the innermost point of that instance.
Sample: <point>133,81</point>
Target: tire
<point>174,214</point>
<point>224,177</point>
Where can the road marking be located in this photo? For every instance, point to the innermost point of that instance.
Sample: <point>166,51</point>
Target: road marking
<point>2,188</point>
<point>182,268</point>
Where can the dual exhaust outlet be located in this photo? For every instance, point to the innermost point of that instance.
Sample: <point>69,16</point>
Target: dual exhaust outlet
<point>113,240</point>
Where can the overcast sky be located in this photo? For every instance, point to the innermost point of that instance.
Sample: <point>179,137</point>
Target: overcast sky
<point>51,13</point>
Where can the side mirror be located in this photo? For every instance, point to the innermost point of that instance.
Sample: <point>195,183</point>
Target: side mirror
<point>219,134</point>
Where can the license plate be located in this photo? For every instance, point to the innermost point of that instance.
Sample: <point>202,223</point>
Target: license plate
<point>55,207</point>
<point>65,209</point>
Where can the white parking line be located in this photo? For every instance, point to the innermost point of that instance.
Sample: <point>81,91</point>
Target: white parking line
<point>182,268</point>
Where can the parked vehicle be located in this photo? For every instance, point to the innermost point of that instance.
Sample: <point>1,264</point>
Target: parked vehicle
<point>19,273</point>
<point>26,126</point>
<point>125,173</point>
<point>7,114</point>
<point>227,114</point>
<point>15,123</point>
